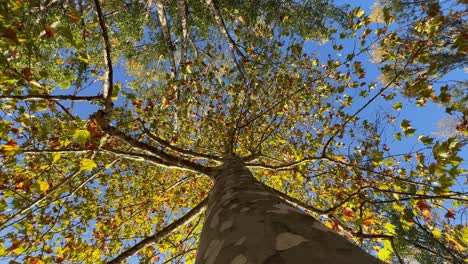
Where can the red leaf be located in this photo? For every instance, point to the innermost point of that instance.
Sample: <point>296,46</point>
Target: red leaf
<point>450,214</point>
<point>422,205</point>
<point>348,212</point>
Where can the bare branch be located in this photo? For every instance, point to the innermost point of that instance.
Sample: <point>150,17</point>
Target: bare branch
<point>181,151</point>
<point>108,83</point>
<point>459,196</point>
<point>283,166</point>
<point>179,255</point>
<point>222,27</point>
<point>100,118</point>
<point>376,172</point>
<point>299,203</point>
<point>166,35</point>
<point>51,97</point>
<point>163,233</point>
<point>149,158</point>
<point>40,151</point>
<point>183,17</point>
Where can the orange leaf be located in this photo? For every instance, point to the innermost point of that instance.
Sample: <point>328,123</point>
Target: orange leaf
<point>348,212</point>
<point>368,221</point>
<point>422,205</point>
<point>426,214</point>
<point>93,130</point>
<point>74,16</point>
<point>50,32</point>
<point>59,258</point>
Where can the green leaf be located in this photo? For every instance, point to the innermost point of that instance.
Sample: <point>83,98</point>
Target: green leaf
<point>397,136</point>
<point>81,136</point>
<point>88,164</point>
<point>407,128</point>
<point>425,140</point>
<point>397,106</point>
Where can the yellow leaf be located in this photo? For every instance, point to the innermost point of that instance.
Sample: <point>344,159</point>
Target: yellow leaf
<point>10,148</point>
<point>43,186</point>
<point>56,157</point>
<point>339,158</point>
<point>436,232</point>
<point>81,136</point>
<point>35,84</point>
<point>386,252</point>
<point>187,68</point>
<point>465,235</point>
<point>88,164</point>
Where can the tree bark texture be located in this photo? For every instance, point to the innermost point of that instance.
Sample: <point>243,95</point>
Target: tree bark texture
<point>246,223</point>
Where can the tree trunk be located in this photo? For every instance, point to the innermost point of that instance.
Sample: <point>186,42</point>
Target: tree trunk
<point>247,223</point>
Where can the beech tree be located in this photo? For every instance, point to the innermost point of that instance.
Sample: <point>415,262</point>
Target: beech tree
<point>228,132</point>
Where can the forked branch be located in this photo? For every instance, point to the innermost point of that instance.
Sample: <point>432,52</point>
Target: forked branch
<point>163,233</point>
<point>184,152</point>
<point>100,118</point>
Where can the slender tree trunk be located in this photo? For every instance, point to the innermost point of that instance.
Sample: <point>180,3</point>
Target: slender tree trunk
<point>246,223</point>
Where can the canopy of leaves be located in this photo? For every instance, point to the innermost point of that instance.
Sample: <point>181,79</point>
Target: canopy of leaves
<point>434,32</point>
<point>114,111</point>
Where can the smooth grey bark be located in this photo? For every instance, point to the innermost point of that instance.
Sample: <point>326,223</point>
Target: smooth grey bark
<point>245,223</point>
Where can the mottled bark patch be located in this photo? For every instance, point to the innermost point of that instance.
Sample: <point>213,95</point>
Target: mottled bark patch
<point>239,259</point>
<point>212,251</point>
<point>240,241</point>
<point>288,240</point>
<point>245,209</point>
<point>284,209</point>
<point>225,225</point>
<point>215,220</point>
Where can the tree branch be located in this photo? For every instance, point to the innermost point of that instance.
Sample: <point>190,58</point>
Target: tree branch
<point>163,233</point>
<point>283,166</point>
<point>181,151</point>
<point>166,35</point>
<point>148,158</point>
<point>299,203</point>
<point>183,17</point>
<point>100,118</point>
<point>222,27</point>
<point>51,97</point>
<point>108,83</point>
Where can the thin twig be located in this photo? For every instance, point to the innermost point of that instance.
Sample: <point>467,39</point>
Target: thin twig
<point>163,233</point>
